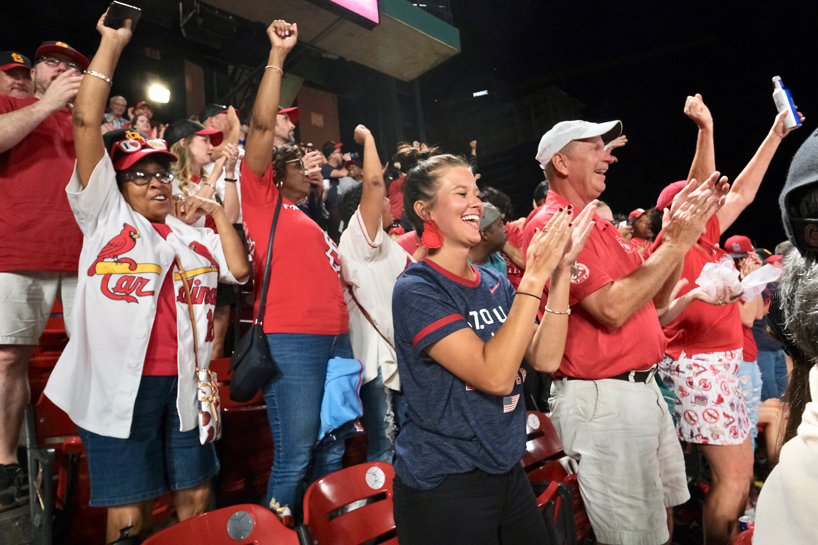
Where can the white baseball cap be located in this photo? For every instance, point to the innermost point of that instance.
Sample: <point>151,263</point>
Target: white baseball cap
<point>566,131</point>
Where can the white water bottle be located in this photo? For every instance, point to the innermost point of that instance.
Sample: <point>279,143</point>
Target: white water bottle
<point>783,101</point>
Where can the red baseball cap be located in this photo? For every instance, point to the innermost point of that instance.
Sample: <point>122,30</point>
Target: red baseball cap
<point>635,215</point>
<point>12,59</point>
<point>738,246</point>
<point>293,113</point>
<point>126,147</point>
<point>143,104</point>
<point>665,199</point>
<point>62,48</point>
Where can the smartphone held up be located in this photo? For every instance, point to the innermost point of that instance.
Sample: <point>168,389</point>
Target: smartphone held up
<point>119,12</point>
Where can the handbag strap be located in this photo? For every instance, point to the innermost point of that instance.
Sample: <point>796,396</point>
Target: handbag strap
<point>369,318</point>
<point>266,281</point>
<point>183,276</point>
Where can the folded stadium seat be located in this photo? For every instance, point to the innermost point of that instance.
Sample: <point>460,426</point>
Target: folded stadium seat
<point>744,538</point>
<point>237,525</point>
<point>351,506</point>
<point>39,369</point>
<point>54,337</point>
<point>545,462</point>
<point>246,449</point>
<point>55,452</point>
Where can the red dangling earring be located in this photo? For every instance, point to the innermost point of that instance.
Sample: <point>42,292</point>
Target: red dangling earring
<point>432,237</point>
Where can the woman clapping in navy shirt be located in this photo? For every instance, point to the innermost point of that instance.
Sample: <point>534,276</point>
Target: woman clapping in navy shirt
<point>461,334</point>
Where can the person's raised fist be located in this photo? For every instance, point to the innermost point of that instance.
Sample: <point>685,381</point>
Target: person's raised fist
<point>283,35</point>
<point>696,110</point>
<point>361,134</point>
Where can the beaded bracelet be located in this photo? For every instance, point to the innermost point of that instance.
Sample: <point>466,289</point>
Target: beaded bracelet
<point>564,312</point>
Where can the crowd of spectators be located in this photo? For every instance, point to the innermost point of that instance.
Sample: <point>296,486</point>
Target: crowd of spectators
<point>453,305</point>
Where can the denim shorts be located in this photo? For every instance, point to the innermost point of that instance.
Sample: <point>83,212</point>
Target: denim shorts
<point>157,457</point>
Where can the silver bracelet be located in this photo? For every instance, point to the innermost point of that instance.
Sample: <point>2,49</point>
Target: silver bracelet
<point>564,312</point>
<point>103,77</point>
<point>280,71</point>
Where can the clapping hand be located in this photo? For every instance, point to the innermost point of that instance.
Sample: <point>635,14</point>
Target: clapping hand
<point>547,247</point>
<point>579,231</point>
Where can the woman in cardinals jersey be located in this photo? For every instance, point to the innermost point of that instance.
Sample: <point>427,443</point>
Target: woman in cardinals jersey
<point>461,333</point>
<point>127,377</point>
<point>306,318</point>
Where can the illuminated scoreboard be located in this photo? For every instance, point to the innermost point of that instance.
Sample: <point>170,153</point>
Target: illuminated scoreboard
<point>362,12</point>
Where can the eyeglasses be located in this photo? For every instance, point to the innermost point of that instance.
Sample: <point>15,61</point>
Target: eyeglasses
<point>299,163</point>
<point>53,63</point>
<point>144,178</point>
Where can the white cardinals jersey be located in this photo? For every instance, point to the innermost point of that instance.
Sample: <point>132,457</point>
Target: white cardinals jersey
<point>122,267</point>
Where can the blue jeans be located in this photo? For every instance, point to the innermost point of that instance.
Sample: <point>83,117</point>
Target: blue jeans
<point>773,366</point>
<point>294,411</point>
<point>749,378</point>
<point>156,456</point>
<point>383,416</point>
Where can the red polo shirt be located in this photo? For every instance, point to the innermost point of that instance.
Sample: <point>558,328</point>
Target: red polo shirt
<point>38,231</point>
<point>702,328</point>
<point>594,351</point>
<point>515,237</point>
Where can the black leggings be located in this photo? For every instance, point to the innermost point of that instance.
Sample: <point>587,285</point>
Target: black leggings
<point>475,508</point>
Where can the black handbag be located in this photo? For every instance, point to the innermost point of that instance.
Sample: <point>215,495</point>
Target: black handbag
<point>252,366</point>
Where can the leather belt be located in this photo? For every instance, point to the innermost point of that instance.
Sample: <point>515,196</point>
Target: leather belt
<point>629,376</point>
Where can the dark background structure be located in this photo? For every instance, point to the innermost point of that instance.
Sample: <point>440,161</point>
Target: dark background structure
<point>541,62</point>
<point>635,61</point>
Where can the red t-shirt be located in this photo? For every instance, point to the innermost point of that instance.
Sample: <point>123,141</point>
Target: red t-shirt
<point>514,235</point>
<point>396,197</point>
<point>750,348</point>
<point>592,350</point>
<point>305,293</point>
<point>38,231</point>
<point>702,328</point>
<point>161,358</point>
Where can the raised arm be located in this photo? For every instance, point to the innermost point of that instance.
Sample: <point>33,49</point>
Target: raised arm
<point>261,136</point>
<point>614,303</point>
<point>704,162</point>
<point>89,106</point>
<point>232,136</point>
<point>744,189</point>
<point>491,367</point>
<point>374,188</point>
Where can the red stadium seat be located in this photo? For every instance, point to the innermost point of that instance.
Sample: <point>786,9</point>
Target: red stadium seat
<point>744,538</point>
<point>237,525</point>
<point>545,462</point>
<point>352,506</point>
<point>62,514</point>
<point>542,443</point>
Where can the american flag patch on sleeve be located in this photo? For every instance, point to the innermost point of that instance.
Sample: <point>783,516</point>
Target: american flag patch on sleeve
<point>510,403</point>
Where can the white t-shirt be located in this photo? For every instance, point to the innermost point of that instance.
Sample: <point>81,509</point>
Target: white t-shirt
<point>788,505</point>
<point>122,268</point>
<point>345,184</point>
<point>370,269</point>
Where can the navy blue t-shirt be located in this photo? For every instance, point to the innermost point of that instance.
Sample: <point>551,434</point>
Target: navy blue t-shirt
<point>451,427</point>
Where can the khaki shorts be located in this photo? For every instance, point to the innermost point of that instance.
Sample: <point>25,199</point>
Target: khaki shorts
<point>26,298</point>
<point>631,465</point>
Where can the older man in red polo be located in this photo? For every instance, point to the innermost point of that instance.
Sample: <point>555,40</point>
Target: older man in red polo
<point>40,242</point>
<point>607,409</point>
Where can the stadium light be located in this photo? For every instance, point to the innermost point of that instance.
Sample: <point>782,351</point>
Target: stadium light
<point>480,94</point>
<point>158,93</point>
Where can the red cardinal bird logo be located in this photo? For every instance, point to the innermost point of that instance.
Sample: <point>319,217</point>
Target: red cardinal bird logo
<point>123,243</point>
<point>200,249</point>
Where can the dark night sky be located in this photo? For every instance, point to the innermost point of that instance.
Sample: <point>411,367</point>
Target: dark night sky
<point>637,61</point>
